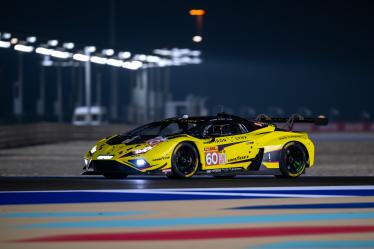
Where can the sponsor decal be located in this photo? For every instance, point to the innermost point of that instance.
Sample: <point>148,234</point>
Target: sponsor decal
<point>154,141</point>
<point>161,158</point>
<point>213,171</point>
<point>220,140</point>
<point>288,137</point>
<point>241,138</point>
<point>238,158</point>
<point>214,157</point>
<point>211,148</point>
<point>235,169</point>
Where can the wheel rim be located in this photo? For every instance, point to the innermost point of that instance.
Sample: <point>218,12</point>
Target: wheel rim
<point>295,159</point>
<point>185,159</point>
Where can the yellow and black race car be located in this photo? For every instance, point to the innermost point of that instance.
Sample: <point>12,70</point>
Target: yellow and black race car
<point>223,146</point>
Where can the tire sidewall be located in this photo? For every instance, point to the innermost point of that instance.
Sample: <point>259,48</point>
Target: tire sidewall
<point>283,164</point>
<point>175,170</point>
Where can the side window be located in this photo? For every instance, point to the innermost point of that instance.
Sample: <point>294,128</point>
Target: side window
<point>221,129</point>
<point>250,126</point>
<point>243,128</point>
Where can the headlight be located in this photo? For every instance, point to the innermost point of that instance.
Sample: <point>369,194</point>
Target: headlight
<point>144,150</point>
<point>140,162</point>
<point>93,150</point>
<point>105,157</point>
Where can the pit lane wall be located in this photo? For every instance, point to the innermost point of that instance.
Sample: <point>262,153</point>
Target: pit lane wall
<point>43,133</point>
<point>337,127</point>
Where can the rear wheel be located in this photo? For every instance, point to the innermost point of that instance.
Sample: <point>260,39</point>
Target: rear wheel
<point>185,161</point>
<point>115,176</point>
<point>293,160</point>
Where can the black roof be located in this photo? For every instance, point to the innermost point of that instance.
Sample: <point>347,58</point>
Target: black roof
<point>219,116</point>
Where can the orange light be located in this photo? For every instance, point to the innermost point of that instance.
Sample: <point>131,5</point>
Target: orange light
<point>197,12</point>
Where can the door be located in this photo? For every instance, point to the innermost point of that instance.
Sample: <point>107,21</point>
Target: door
<point>228,147</point>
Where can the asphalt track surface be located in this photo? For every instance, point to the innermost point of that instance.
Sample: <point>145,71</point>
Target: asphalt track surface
<point>160,182</point>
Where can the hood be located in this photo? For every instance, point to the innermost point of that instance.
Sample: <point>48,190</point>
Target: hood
<point>120,146</point>
<point>132,140</point>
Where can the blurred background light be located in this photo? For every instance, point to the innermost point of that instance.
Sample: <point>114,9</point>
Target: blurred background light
<point>98,59</point>
<point>108,52</point>
<point>197,12</point>
<point>6,36</point>
<point>114,62</point>
<point>53,43</point>
<point>4,44</point>
<point>43,51</point>
<point>68,45</point>
<point>124,55</point>
<point>81,57</point>
<point>60,54</point>
<point>133,65</point>
<point>31,39</point>
<point>197,38</point>
<point>14,40</point>
<point>24,48</point>
<point>90,49</point>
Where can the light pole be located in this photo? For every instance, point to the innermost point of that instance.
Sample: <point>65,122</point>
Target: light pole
<point>40,109</point>
<point>21,47</point>
<point>87,71</point>
<point>18,90</point>
<point>59,102</point>
<point>98,88</point>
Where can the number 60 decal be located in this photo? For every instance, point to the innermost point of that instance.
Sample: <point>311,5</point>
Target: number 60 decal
<point>211,158</point>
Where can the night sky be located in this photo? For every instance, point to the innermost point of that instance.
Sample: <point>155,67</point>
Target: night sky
<point>261,54</point>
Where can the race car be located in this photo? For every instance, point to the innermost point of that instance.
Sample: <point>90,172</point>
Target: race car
<point>222,146</point>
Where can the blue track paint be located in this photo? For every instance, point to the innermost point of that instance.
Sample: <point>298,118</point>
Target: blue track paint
<point>352,192</point>
<point>9,198</point>
<point>319,244</point>
<point>68,214</point>
<point>193,221</point>
<point>312,206</point>
<point>41,197</point>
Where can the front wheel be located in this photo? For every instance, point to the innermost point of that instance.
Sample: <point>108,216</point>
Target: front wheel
<point>293,160</point>
<point>185,161</point>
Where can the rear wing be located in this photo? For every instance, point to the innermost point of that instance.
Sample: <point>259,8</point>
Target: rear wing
<point>294,118</point>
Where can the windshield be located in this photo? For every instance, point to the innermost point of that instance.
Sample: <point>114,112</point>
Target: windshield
<point>199,129</point>
<point>161,129</point>
<point>152,130</point>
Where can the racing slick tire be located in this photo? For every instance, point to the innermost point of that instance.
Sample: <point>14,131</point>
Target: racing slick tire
<point>293,160</point>
<point>115,176</point>
<point>184,161</point>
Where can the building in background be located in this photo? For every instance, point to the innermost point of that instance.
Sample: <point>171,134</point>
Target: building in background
<point>192,105</point>
<point>149,92</point>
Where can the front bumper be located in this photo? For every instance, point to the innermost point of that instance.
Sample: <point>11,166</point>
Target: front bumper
<point>103,167</point>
